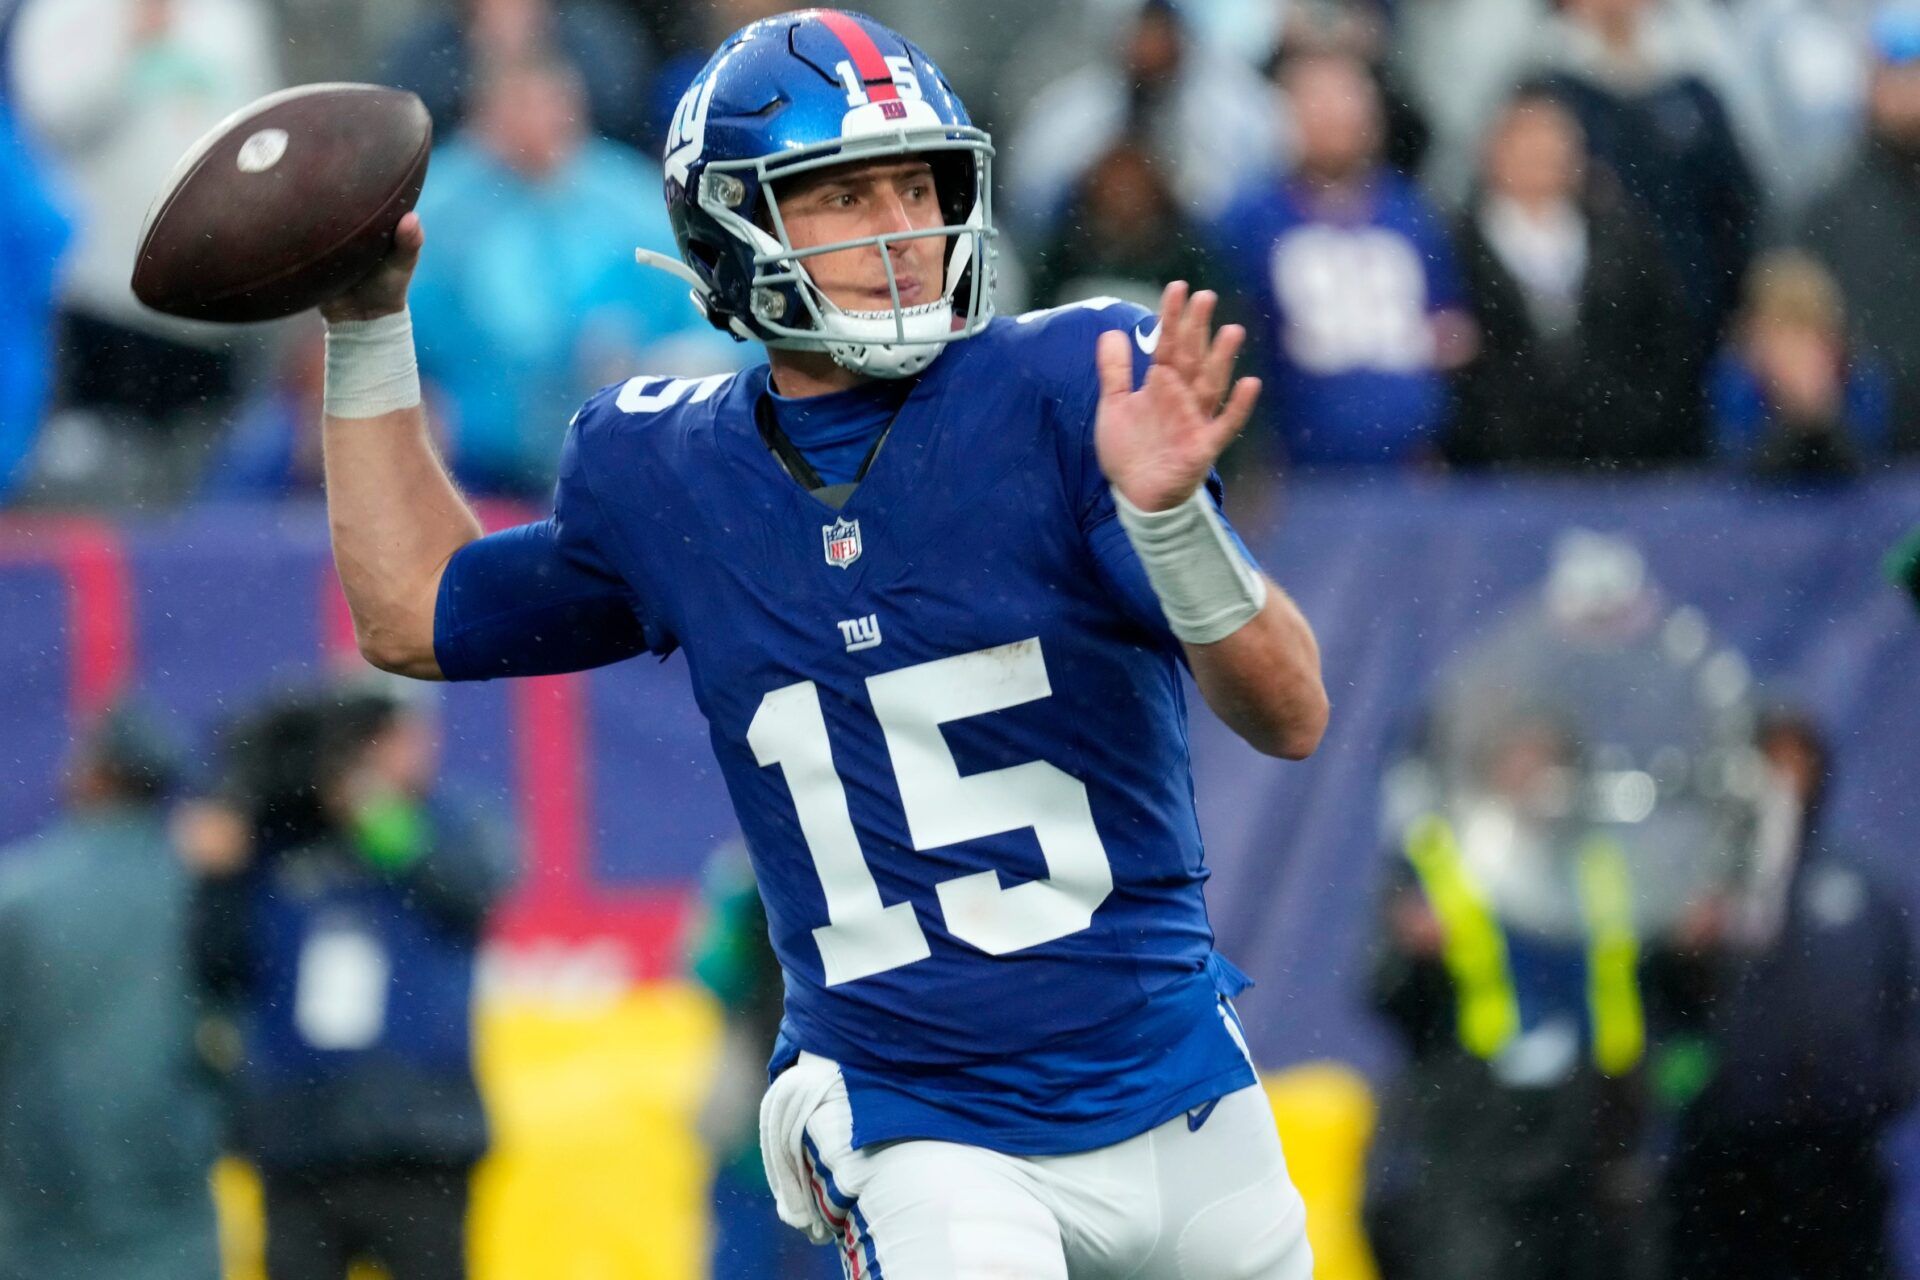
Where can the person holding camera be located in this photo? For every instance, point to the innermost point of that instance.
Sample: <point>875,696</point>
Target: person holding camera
<point>339,918</point>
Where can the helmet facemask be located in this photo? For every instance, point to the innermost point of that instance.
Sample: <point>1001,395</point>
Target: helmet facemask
<point>793,313</point>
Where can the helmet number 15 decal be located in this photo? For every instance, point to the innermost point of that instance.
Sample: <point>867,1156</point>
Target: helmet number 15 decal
<point>865,936</point>
<point>899,66</point>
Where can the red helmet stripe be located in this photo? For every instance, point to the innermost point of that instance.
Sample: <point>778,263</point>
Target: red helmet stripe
<point>867,62</point>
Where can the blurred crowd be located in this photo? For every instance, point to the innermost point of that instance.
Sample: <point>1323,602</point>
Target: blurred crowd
<point>1592,234</point>
<point>1474,235</point>
<point>1657,1023</point>
<point>274,957</point>
<point>1654,1022</point>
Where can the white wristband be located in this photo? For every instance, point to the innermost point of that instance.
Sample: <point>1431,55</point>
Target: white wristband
<point>1206,587</point>
<point>370,367</point>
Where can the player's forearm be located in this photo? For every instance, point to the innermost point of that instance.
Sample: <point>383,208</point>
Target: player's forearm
<point>1249,646</point>
<point>396,520</point>
<point>395,515</point>
<point>1264,679</point>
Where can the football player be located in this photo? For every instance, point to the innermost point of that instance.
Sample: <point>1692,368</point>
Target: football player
<point>936,575</point>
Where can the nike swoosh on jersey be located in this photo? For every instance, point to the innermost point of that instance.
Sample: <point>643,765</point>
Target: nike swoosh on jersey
<point>1148,341</point>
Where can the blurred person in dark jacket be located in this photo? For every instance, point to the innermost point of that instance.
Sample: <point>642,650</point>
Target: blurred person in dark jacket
<point>1584,358</point>
<point>1205,115</point>
<point>444,55</point>
<point>1661,127</point>
<point>1123,236</point>
<point>1788,398</point>
<point>1805,986</point>
<point>1864,229</point>
<point>108,1118</point>
<point>340,922</point>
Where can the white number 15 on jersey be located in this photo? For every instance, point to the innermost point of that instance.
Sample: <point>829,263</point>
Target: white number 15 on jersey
<point>865,936</point>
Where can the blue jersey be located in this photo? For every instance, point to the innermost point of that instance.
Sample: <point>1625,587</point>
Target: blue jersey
<point>950,717</point>
<point>1346,299</point>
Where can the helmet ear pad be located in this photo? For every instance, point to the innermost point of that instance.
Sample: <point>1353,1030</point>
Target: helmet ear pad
<point>956,183</point>
<point>707,252</point>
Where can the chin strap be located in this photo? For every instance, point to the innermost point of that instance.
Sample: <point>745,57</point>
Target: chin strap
<point>673,267</point>
<point>701,293</point>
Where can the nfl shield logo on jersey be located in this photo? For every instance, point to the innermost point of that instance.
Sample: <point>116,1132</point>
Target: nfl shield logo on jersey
<point>843,542</point>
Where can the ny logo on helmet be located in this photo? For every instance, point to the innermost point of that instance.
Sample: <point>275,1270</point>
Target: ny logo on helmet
<point>687,135</point>
<point>843,542</point>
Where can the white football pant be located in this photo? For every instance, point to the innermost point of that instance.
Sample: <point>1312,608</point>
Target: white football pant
<point>1174,1203</point>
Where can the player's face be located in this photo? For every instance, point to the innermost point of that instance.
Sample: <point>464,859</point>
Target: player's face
<point>868,199</point>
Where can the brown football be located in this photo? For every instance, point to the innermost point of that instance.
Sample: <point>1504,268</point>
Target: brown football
<point>284,204</point>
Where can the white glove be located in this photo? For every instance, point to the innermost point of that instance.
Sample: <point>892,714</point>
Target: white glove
<point>789,1103</point>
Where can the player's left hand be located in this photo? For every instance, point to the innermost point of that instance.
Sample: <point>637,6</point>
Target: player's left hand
<point>1157,444</point>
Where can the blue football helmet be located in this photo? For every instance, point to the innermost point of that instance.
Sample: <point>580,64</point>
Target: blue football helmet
<point>805,91</point>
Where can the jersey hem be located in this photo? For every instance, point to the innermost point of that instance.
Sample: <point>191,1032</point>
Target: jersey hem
<point>1056,1140</point>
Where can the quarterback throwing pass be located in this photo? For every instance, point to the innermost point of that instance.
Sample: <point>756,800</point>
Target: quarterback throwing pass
<point>935,575</point>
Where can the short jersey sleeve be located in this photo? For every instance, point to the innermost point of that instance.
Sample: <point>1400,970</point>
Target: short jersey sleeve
<point>542,598</point>
<point>1070,337</point>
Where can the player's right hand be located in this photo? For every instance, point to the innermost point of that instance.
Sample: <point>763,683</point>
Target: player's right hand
<point>383,290</point>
